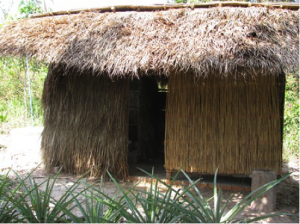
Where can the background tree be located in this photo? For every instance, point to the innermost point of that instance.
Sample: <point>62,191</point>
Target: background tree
<point>14,85</point>
<point>28,7</point>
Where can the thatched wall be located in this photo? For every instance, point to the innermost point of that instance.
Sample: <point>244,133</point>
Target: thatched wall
<point>232,122</point>
<point>86,123</point>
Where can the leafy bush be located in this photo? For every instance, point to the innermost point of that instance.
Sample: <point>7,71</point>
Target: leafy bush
<point>291,119</point>
<point>14,96</point>
<point>27,202</point>
<point>27,7</point>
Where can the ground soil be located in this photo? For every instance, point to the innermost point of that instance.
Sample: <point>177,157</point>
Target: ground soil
<point>23,161</point>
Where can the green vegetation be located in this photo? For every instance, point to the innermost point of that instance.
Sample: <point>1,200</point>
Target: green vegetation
<point>14,93</point>
<point>27,7</point>
<point>291,119</point>
<point>25,201</point>
<point>15,105</point>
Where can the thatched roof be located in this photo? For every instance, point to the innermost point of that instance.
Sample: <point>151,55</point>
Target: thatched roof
<point>218,40</point>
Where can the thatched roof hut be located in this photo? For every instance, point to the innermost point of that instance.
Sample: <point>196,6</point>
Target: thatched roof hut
<point>232,43</point>
<point>222,40</point>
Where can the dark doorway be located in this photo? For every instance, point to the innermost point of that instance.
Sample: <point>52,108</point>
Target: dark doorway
<point>146,125</point>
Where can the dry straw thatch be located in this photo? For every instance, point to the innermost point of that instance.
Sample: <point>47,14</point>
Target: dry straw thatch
<point>218,40</point>
<point>85,123</point>
<point>234,123</point>
<point>86,113</point>
<point>160,7</point>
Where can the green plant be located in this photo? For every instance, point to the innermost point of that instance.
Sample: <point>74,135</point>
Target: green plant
<point>133,206</point>
<point>7,211</point>
<point>184,205</point>
<point>200,210</point>
<point>291,119</point>
<point>3,114</point>
<point>152,205</point>
<point>27,7</point>
<point>14,96</point>
<point>25,201</point>
<point>34,204</point>
<point>94,207</point>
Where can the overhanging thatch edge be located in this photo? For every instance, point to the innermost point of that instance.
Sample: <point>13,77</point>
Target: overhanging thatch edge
<point>259,40</point>
<point>144,8</point>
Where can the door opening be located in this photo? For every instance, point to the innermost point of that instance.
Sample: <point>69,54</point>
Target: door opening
<point>146,125</point>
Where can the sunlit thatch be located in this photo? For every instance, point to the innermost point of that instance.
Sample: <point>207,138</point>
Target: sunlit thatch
<point>233,123</point>
<point>239,55</point>
<point>220,40</point>
<point>85,123</point>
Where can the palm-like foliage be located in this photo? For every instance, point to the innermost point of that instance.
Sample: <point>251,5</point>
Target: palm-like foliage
<point>97,207</point>
<point>7,211</point>
<point>160,203</point>
<point>184,205</point>
<point>34,205</point>
<point>201,211</point>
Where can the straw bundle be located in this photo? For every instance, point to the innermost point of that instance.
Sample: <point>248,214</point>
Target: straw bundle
<point>234,123</point>
<point>85,123</point>
<point>219,40</point>
<point>144,8</point>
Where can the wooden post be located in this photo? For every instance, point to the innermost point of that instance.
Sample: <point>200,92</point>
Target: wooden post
<point>168,174</point>
<point>267,201</point>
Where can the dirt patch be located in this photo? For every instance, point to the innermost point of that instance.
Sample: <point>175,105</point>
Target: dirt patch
<point>288,190</point>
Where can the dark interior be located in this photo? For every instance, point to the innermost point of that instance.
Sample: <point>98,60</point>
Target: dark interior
<point>146,125</point>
